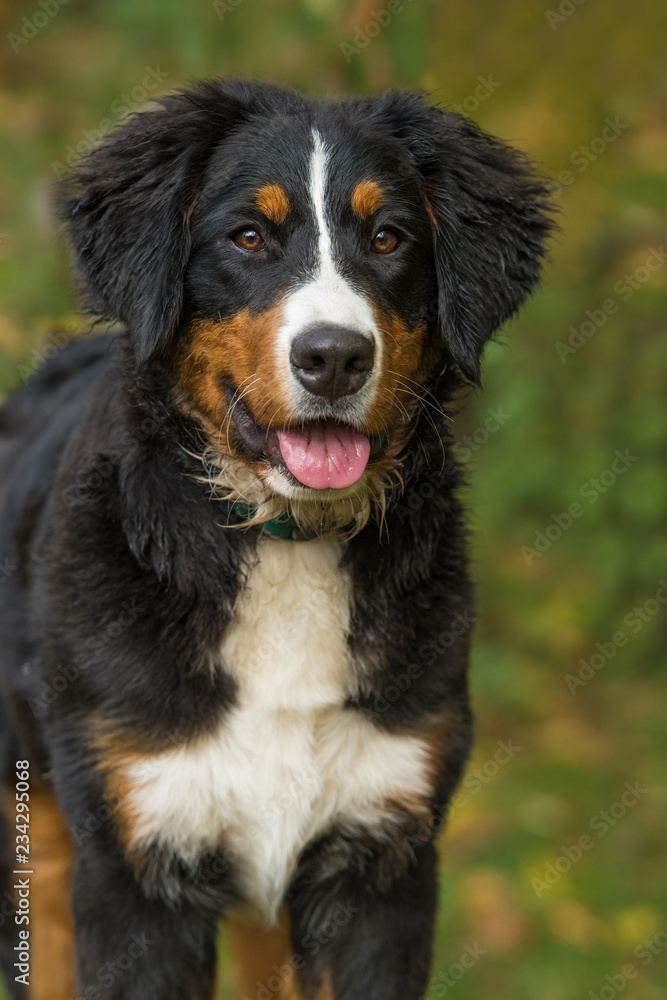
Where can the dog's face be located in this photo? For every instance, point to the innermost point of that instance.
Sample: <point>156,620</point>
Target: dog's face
<point>307,268</point>
<point>308,287</point>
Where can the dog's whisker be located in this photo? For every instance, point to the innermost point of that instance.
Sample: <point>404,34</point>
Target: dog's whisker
<point>428,417</point>
<point>422,398</point>
<point>238,396</point>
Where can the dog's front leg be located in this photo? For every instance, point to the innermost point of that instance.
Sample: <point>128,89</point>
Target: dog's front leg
<point>364,932</point>
<point>133,947</point>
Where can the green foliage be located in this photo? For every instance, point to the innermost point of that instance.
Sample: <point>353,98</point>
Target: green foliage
<point>557,79</point>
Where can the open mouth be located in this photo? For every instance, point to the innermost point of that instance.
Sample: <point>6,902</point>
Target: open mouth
<point>319,454</point>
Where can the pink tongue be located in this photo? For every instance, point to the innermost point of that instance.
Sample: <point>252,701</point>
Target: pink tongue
<point>325,456</point>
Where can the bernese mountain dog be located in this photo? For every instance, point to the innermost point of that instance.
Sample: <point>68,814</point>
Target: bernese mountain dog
<point>234,605</point>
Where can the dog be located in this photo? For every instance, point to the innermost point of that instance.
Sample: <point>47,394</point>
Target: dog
<point>235,610</point>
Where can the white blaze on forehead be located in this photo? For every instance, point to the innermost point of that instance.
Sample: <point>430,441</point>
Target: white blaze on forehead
<point>318,181</point>
<point>326,297</point>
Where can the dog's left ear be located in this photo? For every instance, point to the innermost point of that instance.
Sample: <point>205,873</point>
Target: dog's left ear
<point>489,211</point>
<point>127,208</point>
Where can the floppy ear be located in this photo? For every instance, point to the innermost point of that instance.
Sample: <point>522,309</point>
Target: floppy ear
<point>489,211</point>
<point>127,208</point>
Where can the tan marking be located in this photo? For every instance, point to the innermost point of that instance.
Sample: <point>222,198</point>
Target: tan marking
<point>117,790</point>
<point>190,210</point>
<point>435,738</point>
<point>439,735</point>
<point>430,212</point>
<point>442,735</point>
<point>273,202</point>
<point>263,960</point>
<point>240,351</point>
<point>326,990</point>
<point>366,199</point>
<point>409,354</point>
<point>115,753</point>
<point>51,920</point>
<point>256,949</point>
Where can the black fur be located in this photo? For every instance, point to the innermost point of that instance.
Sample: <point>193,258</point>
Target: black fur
<point>490,210</point>
<point>120,580</point>
<point>131,204</point>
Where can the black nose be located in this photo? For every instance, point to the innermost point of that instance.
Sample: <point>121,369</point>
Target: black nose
<point>332,361</point>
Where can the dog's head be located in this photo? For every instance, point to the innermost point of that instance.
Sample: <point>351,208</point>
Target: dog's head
<point>306,269</point>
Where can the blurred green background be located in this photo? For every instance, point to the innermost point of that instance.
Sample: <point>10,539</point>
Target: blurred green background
<point>582,86</point>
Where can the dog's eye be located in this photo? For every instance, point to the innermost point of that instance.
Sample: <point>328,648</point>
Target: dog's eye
<point>249,239</point>
<point>385,241</point>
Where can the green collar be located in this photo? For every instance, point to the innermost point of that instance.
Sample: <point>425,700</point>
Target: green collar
<point>280,527</point>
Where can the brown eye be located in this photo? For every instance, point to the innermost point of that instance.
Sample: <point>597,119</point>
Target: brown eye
<point>385,241</point>
<point>249,239</point>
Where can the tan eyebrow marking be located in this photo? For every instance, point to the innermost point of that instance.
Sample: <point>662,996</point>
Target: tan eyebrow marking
<point>430,212</point>
<point>366,198</point>
<point>273,202</point>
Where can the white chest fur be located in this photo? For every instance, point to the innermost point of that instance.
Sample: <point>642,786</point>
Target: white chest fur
<point>289,760</point>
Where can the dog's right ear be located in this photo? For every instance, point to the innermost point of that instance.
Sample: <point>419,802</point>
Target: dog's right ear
<point>127,208</point>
